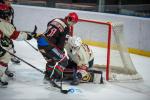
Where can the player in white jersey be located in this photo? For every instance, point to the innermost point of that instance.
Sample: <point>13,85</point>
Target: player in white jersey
<point>11,20</point>
<point>81,57</point>
<point>8,33</point>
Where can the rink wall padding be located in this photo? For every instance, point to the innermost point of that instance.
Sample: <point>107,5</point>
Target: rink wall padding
<point>136,29</point>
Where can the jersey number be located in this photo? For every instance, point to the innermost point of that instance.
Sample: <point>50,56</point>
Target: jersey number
<point>52,31</point>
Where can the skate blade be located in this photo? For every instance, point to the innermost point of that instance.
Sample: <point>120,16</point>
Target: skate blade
<point>3,86</point>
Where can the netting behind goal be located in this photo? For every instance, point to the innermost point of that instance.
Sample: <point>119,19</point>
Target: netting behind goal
<point>113,56</point>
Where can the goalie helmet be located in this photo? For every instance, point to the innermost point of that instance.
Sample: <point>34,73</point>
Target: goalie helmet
<point>5,11</point>
<point>74,43</point>
<point>83,75</point>
<point>72,18</point>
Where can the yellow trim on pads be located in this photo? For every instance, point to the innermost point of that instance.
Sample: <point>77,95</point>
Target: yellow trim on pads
<point>131,50</point>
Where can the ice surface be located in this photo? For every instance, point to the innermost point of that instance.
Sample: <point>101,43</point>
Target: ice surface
<point>28,83</point>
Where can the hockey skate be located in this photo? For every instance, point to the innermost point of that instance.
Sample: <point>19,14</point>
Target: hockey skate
<point>75,82</point>
<point>46,77</point>
<point>3,84</point>
<point>9,74</point>
<point>15,60</point>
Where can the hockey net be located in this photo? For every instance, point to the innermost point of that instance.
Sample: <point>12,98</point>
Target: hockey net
<point>113,56</point>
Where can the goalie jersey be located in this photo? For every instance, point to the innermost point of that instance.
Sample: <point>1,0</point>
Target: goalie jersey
<point>81,55</point>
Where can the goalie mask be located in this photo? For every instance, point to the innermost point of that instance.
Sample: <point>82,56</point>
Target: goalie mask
<point>83,75</point>
<point>75,44</point>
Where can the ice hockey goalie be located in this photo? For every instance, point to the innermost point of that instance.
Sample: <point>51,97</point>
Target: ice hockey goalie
<point>80,59</point>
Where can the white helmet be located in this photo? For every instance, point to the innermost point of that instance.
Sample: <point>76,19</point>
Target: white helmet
<point>75,43</point>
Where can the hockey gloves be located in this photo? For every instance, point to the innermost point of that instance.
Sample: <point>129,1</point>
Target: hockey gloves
<point>32,34</point>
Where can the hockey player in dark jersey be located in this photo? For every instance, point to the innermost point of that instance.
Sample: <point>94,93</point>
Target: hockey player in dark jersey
<point>51,44</point>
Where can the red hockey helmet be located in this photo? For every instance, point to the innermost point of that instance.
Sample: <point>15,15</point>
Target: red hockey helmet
<point>5,11</point>
<point>3,1</point>
<point>4,7</point>
<point>72,17</point>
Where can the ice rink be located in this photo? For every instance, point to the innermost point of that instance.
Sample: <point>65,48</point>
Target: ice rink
<point>28,83</point>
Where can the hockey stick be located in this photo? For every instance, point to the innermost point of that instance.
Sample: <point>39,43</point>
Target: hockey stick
<point>52,81</point>
<point>31,45</point>
<point>25,61</point>
<point>31,34</point>
<point>60,87</point>
<point>61,90</point>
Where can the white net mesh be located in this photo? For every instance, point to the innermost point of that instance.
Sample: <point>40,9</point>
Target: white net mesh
<point>119,61</point>
<point>125,68</point>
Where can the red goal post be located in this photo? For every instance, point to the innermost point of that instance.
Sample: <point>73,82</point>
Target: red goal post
<point>111,36</point>
<point>108,24</point>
